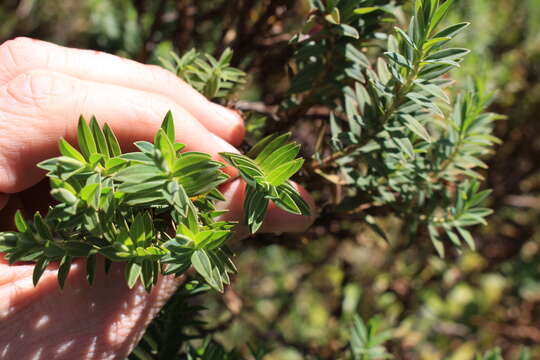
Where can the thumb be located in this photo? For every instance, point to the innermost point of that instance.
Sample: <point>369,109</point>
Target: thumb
<point>276,221</point>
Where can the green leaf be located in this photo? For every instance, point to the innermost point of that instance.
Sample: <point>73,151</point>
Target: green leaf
<point>166,147</point>
<point>75,248</point>
<point>434,90</point>
<point>20,223</point>
<point>334,16</point>
<point>139,174</point>
<point>112,141</point>
<point>451,54</point>
<point>255,206</point>
<point>434,43</point>
<point>406,146</point>
<point>101,142</point>
<point>146,147</point>
<point>436,240</point>
<point>284,171</point>
<point>466,235</point>
<point>366,10</point>
<point>63,270</point>
<point>138,188</point>
<point>290,200</point>
<point>260,145</point>
<point>168,127</point>
<point>284,154</point>
<point>201,263</point>
<point>39,268</point>
<point>439,14</point>
<point>132,272</point>
<point>135,157</point>
<point>370,220</point>
<point>91,268</point>
<point>451,31</point>
<point>424,102</point>
<point>356,56</point>
<point>138,230</point>
<point>272,146</point>
<point>453,238</point>
<point>382,70</point>
<point>192,162</point>
<point>86,139</point>
<point>405,37</point>
<point>42,228</point>
<point>90,194</point>
<point>478,198</point>
<point>415,126</point>
<point>67,150</point>
<point>247,167</point>
<point>147,274</point>
<point>64,196</point>
<point>399,59</point>
<point>348,31</point>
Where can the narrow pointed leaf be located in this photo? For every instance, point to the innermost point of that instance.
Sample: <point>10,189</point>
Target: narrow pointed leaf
<point>101,142</point>
<point>39,268</point>
<point>112,141</point>
<point>415,126</point>
<point>85,139</point>
<point>283,172</point>
<point>168,127</point>
<point>133,271</point>
<point>20,223</point>
<point>67,150</point>
<point>63,270</point>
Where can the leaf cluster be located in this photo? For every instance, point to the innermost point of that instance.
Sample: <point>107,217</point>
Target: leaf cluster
<point>397,139</point>
<point>266,168</point>
<point>214,78</point>
<point>153,209</point>
<point>367,341</point>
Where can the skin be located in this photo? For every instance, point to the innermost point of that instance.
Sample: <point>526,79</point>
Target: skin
<point>43,90</point>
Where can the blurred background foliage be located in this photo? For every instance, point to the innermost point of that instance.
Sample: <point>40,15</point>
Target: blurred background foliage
<point>297,294</point>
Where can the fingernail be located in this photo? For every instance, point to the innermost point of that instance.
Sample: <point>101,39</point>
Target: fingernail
<point>225,146</point>
<point>227,114</point>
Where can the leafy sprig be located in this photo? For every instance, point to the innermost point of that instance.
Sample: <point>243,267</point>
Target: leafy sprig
<point>153,209</point>
<point>367,341</point>
<point>266,170</point>
<point>397,139</point>
<point>212,77</point>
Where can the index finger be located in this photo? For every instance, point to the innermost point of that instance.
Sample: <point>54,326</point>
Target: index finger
<point>39,107</point>
<point>24,54</point>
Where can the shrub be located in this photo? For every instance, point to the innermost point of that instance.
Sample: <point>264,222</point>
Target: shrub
<point>390,142</point>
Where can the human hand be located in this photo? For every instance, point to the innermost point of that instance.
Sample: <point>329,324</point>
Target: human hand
<point>43,90</point>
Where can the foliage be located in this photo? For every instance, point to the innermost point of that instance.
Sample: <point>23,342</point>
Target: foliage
<point>214,78</point>
<point>366,341</point>
<point>299,292</point>
<point>391,144</point>
<point>272,163</point>
<point>149,208</point>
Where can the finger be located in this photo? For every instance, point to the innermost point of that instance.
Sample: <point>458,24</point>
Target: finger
<point>39,107</point>
<point>23,54</point>
<point>276,221</point>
